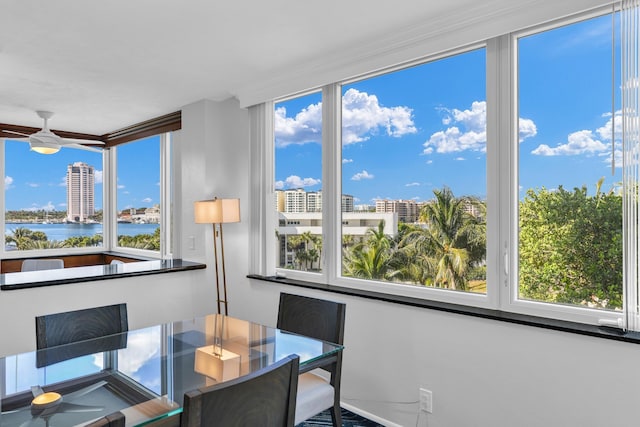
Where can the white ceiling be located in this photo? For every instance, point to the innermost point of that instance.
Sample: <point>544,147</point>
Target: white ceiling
<point>104,65</point>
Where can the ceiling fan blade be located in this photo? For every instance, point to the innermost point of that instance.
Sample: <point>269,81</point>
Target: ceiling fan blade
<point>36,390</point>
<point>83,391</point>
<point>73,407</point>
<point>15,411</point>
<point>82,147</point>
<point>66,141</point>
<point>15,133</point>
<point>29,422</point>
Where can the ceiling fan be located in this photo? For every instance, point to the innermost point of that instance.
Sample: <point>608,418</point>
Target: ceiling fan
<point>44,406</point>
<point>46,142</point>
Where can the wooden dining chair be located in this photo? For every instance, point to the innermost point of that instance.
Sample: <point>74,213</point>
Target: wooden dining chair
<point>323,320</point>
<point>73,326</point>
<point>265,398</point>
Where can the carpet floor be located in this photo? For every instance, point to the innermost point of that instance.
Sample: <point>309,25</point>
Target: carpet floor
<point>349,419</point>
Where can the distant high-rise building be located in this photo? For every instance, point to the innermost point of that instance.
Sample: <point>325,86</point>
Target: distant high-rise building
<point>80,192</point>
<point>301,201</point>
<point>408,210</point>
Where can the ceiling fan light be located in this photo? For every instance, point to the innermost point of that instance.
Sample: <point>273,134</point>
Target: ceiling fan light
<point>44,147</point>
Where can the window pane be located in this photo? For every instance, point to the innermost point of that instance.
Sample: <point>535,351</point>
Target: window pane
<point>570,206</point>
<point>298,174</point>
<point>138,194</point>
<point>52,201</point>
<point>414,175</point>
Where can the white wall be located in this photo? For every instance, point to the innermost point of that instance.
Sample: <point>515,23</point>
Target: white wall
<point>150,300</point>
<point>481,372</point>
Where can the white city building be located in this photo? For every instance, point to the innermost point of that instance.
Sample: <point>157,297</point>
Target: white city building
<point>80,192</point>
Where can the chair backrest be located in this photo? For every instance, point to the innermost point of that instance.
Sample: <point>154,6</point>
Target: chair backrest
<point>73,326</point>
<point>265,398</point>
<point>41,264</point>
<point>313,317</point>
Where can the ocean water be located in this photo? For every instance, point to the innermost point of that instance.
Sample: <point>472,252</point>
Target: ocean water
<point>64,231</point>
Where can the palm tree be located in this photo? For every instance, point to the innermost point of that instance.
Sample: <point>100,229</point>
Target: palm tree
<point>452,241</point>
<point>367,262</point>
<point>23,237</point>
<point>373,258</point>
<point>375,237</point>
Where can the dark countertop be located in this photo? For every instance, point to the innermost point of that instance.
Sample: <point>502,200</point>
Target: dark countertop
<point>63,276</point>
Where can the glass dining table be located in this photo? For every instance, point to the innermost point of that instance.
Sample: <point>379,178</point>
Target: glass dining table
<point>143,373</point>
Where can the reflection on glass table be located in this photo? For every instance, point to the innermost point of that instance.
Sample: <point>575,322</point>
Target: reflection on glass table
<point>142,373</point>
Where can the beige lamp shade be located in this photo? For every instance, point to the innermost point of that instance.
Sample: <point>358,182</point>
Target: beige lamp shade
<point>217,211</point>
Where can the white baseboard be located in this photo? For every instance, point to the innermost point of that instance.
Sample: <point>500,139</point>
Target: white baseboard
<point>368,415</point>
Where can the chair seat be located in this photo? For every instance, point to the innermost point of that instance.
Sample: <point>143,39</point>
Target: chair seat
<point>315,394</point>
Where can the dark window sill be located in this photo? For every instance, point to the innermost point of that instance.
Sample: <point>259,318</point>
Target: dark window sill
<point>64,276</point>
<point>504,316</point>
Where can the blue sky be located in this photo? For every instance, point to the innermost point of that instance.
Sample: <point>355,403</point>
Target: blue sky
<point>416,130</point>
<point>35,181</point>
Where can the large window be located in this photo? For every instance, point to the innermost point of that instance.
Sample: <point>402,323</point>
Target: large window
<point>488,176</point>
<point>138,194</point>
<point>52,201</point>
<point>298,186</point>
<point>569,166</point>
<point>79,201</point>
<point>414,175</point>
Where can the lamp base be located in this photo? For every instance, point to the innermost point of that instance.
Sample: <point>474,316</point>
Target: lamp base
<point>220,367</point>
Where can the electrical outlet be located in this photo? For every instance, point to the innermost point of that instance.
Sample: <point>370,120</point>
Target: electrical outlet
<point>191,242</point>
<point>426,400</point>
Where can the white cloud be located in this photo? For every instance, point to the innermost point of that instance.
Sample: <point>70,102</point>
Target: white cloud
<point>605,131</point>
<point>526,129</point>
<point>412,184</point>
<point>295,181</point>
<point>362,175</point>
<point>97,176</point>
<point>467,130</point>
<point>347,161</point>
<point>33,184</point>
<point>147,200</point>
<point>139,352</point>
<point>120,186</point>
<point>580,142</point>
<point>8,182</point>
<point>305,127</point>
<point>473,135</point>
<point>459,159</point>
<point>363,116</point>
<point>62,182</point>
<point>429,162</point>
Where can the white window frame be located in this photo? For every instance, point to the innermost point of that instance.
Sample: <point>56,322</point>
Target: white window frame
<point>310,276</point>
<point>509,196</point>
<point>165,203</point>
<point>109,220</point>
<point>502,194</point>
<point>47,252</point>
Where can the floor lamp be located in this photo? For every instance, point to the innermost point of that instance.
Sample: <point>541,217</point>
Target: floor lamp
<point>218,212</point>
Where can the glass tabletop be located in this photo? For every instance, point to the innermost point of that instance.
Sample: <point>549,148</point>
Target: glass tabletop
<point>142,373</point>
